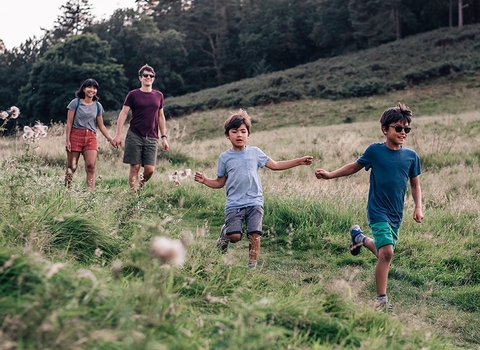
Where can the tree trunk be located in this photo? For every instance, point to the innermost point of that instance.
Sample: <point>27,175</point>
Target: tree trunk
<point>460,13</point>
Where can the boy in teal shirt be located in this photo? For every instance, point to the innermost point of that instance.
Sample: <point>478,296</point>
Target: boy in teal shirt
<point>391,165</point>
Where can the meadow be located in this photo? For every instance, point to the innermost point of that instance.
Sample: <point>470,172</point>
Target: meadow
<point>77,272</point>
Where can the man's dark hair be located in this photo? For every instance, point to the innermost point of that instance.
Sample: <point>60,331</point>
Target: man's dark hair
<point>144,68</point>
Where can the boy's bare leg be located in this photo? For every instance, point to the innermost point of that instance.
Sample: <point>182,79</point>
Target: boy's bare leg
<point>385,255</point>
<point>253,249</point>
<point>370,245</point>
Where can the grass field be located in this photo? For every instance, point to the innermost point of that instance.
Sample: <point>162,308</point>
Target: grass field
<point>76,269</point>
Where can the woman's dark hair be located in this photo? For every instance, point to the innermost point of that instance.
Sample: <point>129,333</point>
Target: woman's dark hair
<point>89,82</point>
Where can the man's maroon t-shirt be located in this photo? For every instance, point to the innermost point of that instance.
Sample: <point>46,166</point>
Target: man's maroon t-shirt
<point>145,107</point>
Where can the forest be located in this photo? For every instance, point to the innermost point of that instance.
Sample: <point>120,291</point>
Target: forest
<point>200,44</point>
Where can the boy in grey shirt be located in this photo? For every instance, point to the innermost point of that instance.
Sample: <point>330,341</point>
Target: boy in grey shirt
<point>238,172</point>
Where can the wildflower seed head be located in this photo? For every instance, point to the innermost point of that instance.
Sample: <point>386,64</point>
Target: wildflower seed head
<point>14,112</point>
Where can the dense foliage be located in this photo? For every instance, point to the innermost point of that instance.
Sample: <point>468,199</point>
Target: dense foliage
<point>202,44</point>
<point>448,54</point>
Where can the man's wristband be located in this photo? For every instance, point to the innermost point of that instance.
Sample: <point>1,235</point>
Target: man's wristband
<point>109,139</point>
<point>163,136</point>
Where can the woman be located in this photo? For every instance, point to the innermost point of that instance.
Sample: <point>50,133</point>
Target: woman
<point>84,114</point>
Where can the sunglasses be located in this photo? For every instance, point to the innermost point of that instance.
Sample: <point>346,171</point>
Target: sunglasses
<point>399,128</point>
<point>148,75</point>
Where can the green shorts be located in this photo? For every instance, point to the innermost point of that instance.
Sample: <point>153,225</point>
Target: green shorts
<point>140,149</point>
<point>384,234</point>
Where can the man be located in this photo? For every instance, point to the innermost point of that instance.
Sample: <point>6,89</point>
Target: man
<point>147,120</point>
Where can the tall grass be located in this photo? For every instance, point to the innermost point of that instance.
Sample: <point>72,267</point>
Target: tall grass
<point>76,269</point>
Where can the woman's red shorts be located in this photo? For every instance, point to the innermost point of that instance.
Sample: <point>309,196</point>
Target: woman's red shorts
<point>83,140</point>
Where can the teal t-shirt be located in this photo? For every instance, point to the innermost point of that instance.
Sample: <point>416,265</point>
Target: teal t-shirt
<point>243,186</point>
<point>390,172</point>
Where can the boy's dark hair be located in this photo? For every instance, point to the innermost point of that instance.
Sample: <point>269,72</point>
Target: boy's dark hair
<point>89,82</point>
<point>144,68</point>
<point>400,113</point>
<point>236,119</point>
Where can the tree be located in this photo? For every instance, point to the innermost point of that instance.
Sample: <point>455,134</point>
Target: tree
<point>58,73</point>
<point>461,6</point>
<point>428,15</point>
<point>77,15</point>
<point>209,27</point>
<point>15,66</point>
<point>378,21</point>
<point>332,32</point>
<point>279,32</point>
<point>135,40</point>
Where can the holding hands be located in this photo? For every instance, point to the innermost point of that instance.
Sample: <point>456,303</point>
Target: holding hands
<point>116,141</point>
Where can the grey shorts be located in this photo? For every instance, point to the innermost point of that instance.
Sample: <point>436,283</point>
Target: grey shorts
<point>252,216</point>
<point>140,149</point>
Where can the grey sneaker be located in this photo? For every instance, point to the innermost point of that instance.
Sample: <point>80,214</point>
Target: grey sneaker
<point>357,238</point>
<point>382,305</point>
<point>222,241</point>
<point>252,265</point>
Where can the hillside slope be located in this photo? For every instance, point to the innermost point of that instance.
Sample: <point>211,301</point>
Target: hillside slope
<point>423,59</point>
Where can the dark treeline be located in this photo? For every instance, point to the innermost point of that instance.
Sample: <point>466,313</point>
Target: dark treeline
<point>198,44</point>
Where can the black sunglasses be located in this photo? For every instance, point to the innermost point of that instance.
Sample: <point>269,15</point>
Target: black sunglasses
<point>148,75</point>
<point>399,128</point>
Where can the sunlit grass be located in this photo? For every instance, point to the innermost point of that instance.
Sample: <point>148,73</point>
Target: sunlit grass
<point>77,270</point>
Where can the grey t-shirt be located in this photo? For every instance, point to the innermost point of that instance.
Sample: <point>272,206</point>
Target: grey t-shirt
<point>243,186</point>
<point>86,115</point>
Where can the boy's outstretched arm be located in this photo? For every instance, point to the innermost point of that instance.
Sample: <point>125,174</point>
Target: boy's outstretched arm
<point>345,170</point>
<point>219,182</point>
<point>287,164</point>
<point>417,199</point>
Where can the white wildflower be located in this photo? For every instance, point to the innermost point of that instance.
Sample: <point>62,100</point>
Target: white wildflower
<point>3,115</point>
<point>169,251</point>
<point>180,175</point>
<point>40,130</point>
<point>14,112</point>
<point>174,178</point>
<point>28,133</point>
<point>183,174</point>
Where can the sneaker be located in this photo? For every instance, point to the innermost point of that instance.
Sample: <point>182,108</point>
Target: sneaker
<point>222,241</point>
<point>357,239</point>
<point>252,265</point>
<point>382,305</point>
